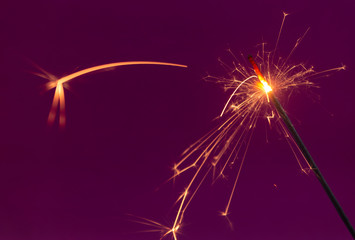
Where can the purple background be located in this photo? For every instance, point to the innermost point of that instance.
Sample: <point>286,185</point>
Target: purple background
<point>127,127</point>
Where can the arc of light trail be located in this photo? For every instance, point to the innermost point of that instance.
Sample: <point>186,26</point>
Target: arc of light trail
<point>59,100</point>
<point>231,96</point>
<point>302,147</point>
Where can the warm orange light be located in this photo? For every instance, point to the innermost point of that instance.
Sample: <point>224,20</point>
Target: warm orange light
<point>266,86</point>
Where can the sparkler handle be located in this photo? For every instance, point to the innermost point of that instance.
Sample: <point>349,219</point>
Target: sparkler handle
<point>311,162</point>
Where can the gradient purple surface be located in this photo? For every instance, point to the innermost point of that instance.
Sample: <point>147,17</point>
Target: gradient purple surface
<point>126,128</point>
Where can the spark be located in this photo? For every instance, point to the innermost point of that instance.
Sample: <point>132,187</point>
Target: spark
<point>224,148</point>
<point>155,226</point>
<point>59,84</point>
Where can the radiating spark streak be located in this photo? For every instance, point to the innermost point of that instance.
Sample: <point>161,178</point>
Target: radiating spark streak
<point>234,152</point>
<point>278,37</point>
<point>296,156</point>
<point>194,193</point>
<point>58,84</point>
<point>225,213</point>
<point>211,146</point>
<point>331,70</point>
<point>215,140</point>
<point>154,225</point>
<point>253,122</point>
<point>237,143</point>
<point>293,146</point>
<point>151,223</point>
<point>294,48</point>
<point>270,117</point>
<point>177,222</point>
<point>231,96</point>
<point>183,207</point>
<point>204,139</point>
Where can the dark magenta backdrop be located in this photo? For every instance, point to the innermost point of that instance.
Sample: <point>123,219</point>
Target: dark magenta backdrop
<point>127,127</point>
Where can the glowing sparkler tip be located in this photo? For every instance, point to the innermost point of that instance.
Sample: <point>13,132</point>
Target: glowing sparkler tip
<point>266,86</point>
<point>264,83</point>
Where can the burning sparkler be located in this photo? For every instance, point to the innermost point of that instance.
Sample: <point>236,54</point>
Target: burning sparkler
<point>58,84</point>
<point>297,139</point>
<point>252,94</point>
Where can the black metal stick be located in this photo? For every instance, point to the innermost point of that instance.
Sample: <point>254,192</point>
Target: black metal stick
<point>306,154</point>
<point>311,162</point>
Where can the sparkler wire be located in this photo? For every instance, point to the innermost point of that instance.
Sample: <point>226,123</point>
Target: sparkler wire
<point>311,162</point>
<point>306,153</point>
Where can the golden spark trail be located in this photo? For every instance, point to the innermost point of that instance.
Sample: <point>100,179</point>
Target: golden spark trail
<point>231,96</point>
<point>111,65</point>
<point>59,99</point>
<point>278,36</point>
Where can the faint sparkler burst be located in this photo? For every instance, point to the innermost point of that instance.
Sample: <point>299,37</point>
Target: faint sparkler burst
<point>252,95</point>
<point>59,85</point>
